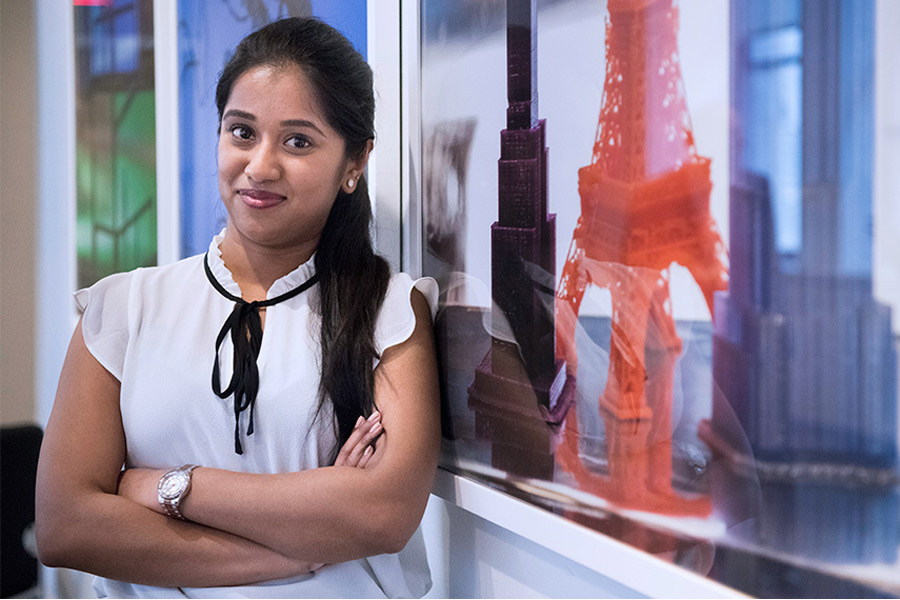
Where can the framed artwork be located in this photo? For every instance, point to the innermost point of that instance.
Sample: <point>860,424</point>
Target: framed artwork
<point>115,138</point>
<point>652,223</point>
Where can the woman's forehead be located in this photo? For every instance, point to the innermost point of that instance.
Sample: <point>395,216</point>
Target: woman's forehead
<point>277,89</point>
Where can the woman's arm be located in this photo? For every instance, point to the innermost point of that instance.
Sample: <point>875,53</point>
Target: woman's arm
<point>81,523</point>
<point>335,514</point>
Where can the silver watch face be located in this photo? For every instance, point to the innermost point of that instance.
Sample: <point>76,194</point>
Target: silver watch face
<point>173,485</point>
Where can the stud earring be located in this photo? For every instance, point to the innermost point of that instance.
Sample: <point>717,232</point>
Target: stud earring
<point>351,182</point>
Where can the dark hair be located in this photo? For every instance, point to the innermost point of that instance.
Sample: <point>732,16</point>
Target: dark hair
<point>352,278</point>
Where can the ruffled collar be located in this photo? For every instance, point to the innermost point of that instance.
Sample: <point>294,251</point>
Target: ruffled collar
<point>244,327</point>
<point>281,286</point>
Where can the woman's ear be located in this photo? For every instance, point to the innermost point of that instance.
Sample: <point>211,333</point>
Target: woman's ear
<point>356,168</point>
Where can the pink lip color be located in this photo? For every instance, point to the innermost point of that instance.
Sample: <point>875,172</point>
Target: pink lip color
<point>260,198</point>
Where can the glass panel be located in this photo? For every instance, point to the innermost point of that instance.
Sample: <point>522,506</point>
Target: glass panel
<point>208,31</point>
<point>659,321</point>
<point>774,111</point>
<point>116,138</point>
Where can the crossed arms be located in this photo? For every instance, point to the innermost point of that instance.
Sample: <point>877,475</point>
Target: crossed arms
<point>242,528</point>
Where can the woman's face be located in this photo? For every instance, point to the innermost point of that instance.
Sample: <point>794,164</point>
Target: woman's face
<point>280,163</point>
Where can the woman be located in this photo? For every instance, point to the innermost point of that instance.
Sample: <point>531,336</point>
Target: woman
<point>346,363</point>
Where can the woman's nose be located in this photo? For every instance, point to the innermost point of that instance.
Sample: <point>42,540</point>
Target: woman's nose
<point>263,164</point>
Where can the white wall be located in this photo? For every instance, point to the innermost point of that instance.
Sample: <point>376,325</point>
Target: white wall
<point>472,557</point>
<point>55,316</point>
<point>483,543</point>
<point>18,198</point>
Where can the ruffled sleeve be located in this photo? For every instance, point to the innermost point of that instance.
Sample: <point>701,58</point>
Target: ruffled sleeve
<point>104,320</point>
<point>397,321</point>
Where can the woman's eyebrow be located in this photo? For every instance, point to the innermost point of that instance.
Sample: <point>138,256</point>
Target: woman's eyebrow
<point>240,114</point>
<point>302,123</point>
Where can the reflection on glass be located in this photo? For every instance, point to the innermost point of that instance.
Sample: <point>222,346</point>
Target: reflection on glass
<point>644,205</point>
<point>115,153</point>
<point>758,446</point>
<point>774,81</point>
<point>804,357</point>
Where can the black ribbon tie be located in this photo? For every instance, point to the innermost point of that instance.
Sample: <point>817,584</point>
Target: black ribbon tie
<point>245,327</point>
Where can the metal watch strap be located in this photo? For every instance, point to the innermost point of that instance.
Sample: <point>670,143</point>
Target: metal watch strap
<point>170,505</point>
<point>172,510</point>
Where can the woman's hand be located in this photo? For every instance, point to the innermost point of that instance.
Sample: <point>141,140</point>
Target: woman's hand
<point>360,449</point>
<point>140,486</point>
<point>88,522</point>
<point>315,513</point>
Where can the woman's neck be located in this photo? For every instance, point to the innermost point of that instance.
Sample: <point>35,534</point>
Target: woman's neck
<point>255,267</point>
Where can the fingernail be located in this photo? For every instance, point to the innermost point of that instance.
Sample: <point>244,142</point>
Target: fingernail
<point>374,416</point>
<point>375,428</point>
<point>358,422</point>
<point>367,451</point>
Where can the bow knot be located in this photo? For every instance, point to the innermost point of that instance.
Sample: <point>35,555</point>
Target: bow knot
<point>244,326</point>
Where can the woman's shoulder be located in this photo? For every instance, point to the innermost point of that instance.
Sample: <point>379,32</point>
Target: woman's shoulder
<point>400,289</point>
<point>113,308</point>
<point>184,267</point>
<point>397,320</point>
<point>161,278</point>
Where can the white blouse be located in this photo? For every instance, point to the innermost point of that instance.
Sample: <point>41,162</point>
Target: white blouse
<point>155,330</point>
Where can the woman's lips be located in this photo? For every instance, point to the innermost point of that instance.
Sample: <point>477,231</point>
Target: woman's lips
<point>260,198</point>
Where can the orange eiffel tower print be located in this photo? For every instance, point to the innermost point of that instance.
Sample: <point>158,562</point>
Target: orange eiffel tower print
<point>644,205</point>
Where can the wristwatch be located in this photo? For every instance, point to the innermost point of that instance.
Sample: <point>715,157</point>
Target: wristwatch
<point>172,489</point>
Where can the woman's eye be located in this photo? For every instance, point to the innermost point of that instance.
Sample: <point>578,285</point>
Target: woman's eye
<point>240,132</point>
<point>298,141</point>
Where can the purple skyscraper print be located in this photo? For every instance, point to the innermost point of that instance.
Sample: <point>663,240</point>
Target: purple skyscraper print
<point>520,390</point>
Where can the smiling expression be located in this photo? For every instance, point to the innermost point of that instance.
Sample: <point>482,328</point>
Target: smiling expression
<point>280,163</point>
